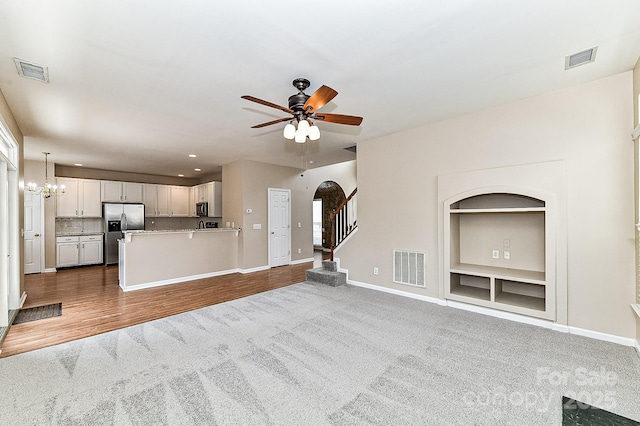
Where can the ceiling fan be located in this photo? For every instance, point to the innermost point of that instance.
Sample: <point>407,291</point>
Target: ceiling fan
<point>304,109</point>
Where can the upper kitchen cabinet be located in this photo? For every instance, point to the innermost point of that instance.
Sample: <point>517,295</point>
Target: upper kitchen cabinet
<point>122,192</point>
<point>81,198</point>
<point>210,193</point>
<point>180,201</point>
<point>166,201</point>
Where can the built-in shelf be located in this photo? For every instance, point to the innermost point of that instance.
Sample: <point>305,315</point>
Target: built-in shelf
<point>496,253</point>
<point>498,210</point>
<point>534,277</point>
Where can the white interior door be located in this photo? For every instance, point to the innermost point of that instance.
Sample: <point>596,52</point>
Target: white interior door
<point>33,234</point>
<point>279,227</point>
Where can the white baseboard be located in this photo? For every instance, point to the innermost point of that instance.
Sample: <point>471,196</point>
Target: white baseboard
<point>175,280</point>
<point>48,270</point>
<point>299,261</point>
<point>501,314</point>
<point>256,269</point>
<point>603,336</point>
<point>23,298</point>
<point>637,346</point>
<point>397,292</point>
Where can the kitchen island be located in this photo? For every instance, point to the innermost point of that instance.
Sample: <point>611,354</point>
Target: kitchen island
<point>154,258</point>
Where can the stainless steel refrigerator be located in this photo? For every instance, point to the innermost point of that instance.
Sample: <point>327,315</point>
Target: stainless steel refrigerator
<point>117,218</point>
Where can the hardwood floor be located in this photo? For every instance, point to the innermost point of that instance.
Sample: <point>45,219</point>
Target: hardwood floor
<point>93,303</point>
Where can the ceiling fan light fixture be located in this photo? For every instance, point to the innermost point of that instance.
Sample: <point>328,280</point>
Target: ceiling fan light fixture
<point>303,126</point>
<point>314,133</point>
<point>300,137</point>
<point>289,131</point>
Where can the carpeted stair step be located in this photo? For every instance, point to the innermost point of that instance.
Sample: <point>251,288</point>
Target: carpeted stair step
<point>327,274</point>
<point>321,276</point>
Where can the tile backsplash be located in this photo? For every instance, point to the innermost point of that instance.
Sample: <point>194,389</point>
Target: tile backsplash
<point>79,226</point>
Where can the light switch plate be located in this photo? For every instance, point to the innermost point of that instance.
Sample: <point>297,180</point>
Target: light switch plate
<point>257,226</point>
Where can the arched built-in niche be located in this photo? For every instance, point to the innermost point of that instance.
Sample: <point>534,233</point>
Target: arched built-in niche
<point>499,250</point>
<point>332,195</point>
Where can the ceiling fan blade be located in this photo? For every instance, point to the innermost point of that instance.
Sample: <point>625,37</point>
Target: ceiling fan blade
<point>280,120</point>
<point>319,98</point>
<point>267,103</point>
<point>351,120</point>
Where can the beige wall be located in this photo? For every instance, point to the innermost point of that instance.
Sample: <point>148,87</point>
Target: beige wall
<point>87,173</point>
<point>246,185</point>
<point>34,172</point>
<point>7,117</point>
<point>588,126</point>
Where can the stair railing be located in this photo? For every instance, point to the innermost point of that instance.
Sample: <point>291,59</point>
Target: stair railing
<point>344,220</point>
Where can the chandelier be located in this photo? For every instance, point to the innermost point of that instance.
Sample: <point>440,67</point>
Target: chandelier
<point>47,190</point>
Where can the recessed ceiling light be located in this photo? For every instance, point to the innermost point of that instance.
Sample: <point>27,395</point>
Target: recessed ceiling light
<point>192,155</point>
<point>31,70</point>
<point>78,164</point>
<point>180,175</point>
<point>198,170</point>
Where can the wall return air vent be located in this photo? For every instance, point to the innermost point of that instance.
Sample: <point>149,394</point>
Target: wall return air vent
<point>580,58</point>
<point>409,268</point>
<point>31,70</point>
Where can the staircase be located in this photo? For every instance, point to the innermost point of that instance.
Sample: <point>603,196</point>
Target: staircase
<point>327,274</point>
<point>343,223</point>
<point>344,220</point>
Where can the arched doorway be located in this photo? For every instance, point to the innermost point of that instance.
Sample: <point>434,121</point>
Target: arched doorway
<point>330,195</point>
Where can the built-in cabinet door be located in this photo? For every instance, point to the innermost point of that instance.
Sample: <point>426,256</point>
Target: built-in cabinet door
<point>164,201</point>
<point>150,200</point>
<point>111,191</point>
<point>67,204</point>
<point>67,254</point>
<point>179,201</point>
<point>132,192</point>
<point>89,202</point>
<point>91,250</point>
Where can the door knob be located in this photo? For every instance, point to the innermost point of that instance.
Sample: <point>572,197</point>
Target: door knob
<point>272,232</point>
<point>36,235</point>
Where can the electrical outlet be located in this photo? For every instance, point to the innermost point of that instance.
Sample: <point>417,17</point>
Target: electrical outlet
<point>299,251</point>
<point>375,271</point>
<point>507,255</point>
<point>495,254</point>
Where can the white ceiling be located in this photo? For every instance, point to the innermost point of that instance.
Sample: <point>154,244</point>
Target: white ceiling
<point>137,85</point>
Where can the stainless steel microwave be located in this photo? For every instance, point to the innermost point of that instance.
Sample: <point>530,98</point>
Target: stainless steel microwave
<point>202,209</point>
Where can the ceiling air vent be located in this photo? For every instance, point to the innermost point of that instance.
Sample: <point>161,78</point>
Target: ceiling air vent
<point>580,58</point>
<point>30,70</point>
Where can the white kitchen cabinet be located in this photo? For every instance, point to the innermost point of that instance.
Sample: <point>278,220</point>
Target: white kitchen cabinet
<point>180,201</point>
<point>166,201</point>
<point>150,200</point>
<point>90,250</point>
<point>210,193</point>
<point>81,198</point>
<point>157,200</point>
<point>193,199</point>
<point>67,249</point>
<point>122,192</point>
<point>79,250</point>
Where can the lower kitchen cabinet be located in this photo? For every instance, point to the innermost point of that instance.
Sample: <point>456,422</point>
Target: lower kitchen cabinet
<point>79,250</point>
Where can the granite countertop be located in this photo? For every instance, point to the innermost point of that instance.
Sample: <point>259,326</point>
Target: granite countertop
<point>77,234</point>
<point>157,231</point>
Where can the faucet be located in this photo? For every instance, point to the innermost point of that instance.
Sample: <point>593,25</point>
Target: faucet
<point>201,223</point>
